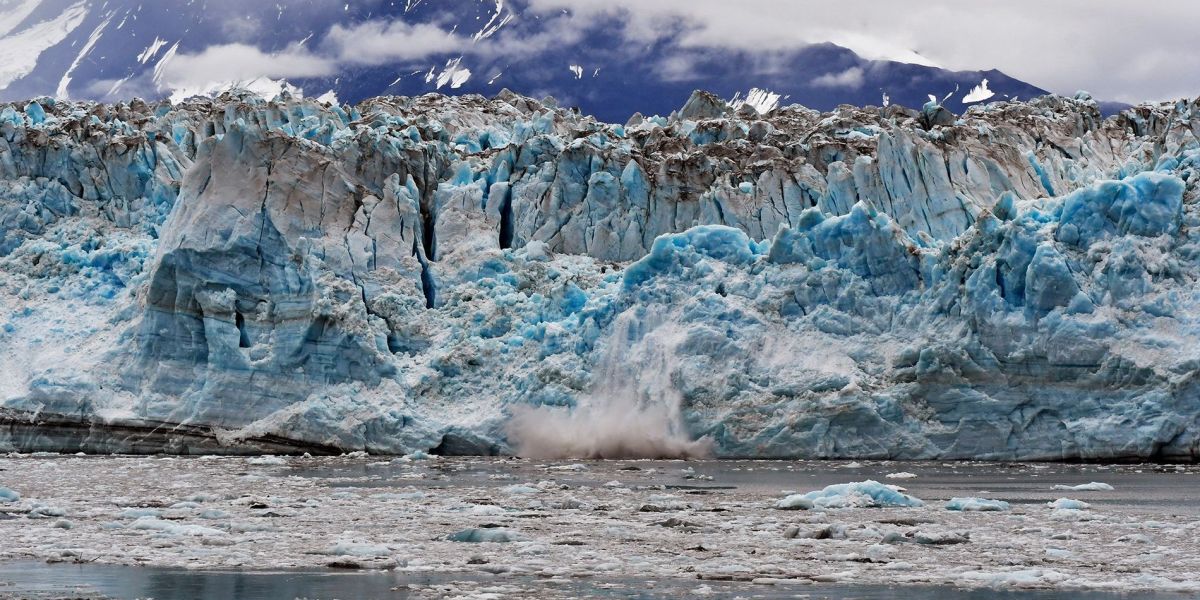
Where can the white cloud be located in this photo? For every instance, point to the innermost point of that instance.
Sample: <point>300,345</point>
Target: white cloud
<point>378,42</point>
<point>241,62</point>
<point>1100,45</point>
<point>850,78</point>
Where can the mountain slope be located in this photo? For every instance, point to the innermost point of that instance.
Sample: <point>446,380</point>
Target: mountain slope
<point>116,49</point>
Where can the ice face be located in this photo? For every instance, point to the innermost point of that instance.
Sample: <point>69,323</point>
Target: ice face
<point>250,275</point>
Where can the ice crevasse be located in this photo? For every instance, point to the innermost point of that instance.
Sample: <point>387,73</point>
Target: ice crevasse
<point>249,275</point>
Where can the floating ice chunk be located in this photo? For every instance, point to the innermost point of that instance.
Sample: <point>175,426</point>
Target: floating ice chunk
<point>1135,538</point>
<point>976,504</point>
<point>170,528</point>
<point>267,461</point>
<point>486,509</point>
<point>795,502</point>
<point>1094,486</point>
<point>1069,504</point>
<point>402,496</point>
<point>8,496</point>
<point>520,489</point>
<point>45,511</point>
<point>901,475</point>
<point>862,494</point>
<point>1018,578</point>
<point>941,538</point>
<point>137,513</point>
<point>577,467</point>
<point>351,548</point>
<point>477,536</point>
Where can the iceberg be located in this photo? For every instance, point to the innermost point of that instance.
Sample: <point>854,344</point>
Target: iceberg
<point>862,494</point>
<point>977,505</point>
<point>242,274</point>
<point>1094,486</point>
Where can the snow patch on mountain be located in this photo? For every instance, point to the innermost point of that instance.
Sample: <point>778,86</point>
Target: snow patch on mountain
<point>19,51</point>
<point>65,82</point>
<point>978,93</point>
<point>454,74</point>
<point>761,100</point>
<point>17,14</point>
<point>152,50</point>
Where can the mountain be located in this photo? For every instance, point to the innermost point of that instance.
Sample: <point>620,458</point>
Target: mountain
<point>117,49</point>
<point>470,275</point>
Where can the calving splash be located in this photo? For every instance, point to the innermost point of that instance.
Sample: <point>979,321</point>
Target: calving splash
<point>633,409</point>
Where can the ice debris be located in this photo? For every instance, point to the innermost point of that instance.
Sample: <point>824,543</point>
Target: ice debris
<point>8,496</point>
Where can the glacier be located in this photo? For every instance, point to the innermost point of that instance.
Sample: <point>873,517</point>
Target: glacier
<point>249,275</point>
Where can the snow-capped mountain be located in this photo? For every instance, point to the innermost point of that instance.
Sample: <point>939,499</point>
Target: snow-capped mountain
<point>116,49</point>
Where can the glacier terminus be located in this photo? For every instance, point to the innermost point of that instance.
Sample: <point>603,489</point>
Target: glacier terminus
<point>464,275</point>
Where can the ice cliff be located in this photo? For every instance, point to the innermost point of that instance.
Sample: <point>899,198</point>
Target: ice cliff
<point>241,275</point>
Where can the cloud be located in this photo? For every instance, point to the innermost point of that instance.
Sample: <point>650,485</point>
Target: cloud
<point>1100,45</point>
<point>240,62</point>
<point>379,42</point>
<point>850,78</point>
